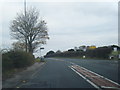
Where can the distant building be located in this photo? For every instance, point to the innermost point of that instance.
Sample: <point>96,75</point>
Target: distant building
<point>91,47</point>
<point>115,49</point>
<point>115,52</point>
<point>75,48</point>
<point>83,48</point>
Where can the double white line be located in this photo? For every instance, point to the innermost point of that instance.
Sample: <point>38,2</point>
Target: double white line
<point>96,75</point>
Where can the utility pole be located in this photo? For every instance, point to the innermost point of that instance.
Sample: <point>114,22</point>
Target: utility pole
<point>25,7</point>
<point>25,17</point>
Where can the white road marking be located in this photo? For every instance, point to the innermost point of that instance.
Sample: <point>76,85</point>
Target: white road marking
<point>88,71</point>
<point>100,76</point>
<point>86,79</point>
<point>110,87</point>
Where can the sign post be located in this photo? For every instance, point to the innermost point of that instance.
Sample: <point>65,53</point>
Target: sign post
<point>40,51</point>
<point>41,58</point>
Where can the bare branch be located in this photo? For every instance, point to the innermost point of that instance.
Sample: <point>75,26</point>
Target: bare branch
<point>29,28</point>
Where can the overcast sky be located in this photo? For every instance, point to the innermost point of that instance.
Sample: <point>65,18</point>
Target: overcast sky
<point>69,24</point>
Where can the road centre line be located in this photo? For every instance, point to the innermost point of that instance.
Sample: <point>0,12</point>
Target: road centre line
<point>85,71</point>
<point>92,75</point>
<point>85,79</point>
<point>99,75</point>
<point>95,73</point>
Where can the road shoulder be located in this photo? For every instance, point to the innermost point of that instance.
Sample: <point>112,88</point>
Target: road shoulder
<point>22,77</point>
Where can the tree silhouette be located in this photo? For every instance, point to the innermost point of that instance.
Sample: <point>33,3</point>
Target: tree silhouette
<point>28,28</point>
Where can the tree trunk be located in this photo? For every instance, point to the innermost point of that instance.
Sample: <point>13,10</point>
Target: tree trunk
<point>30,48</point>
<point>25,44</point>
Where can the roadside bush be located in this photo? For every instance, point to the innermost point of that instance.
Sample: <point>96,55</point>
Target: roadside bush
<point>12,61</point>
<point>16,59</point>
<point>7,63</point>
<point>22,59</point>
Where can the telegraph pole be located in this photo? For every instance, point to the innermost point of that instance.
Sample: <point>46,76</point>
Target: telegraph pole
<point>25,17</point>
<point>25,7</point>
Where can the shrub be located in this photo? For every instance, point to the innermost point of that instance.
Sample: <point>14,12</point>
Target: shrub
<point>7,63</point>
<point>16,59</point>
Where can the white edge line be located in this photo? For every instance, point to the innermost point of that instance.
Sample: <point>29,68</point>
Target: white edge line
<point>110,87</point>
<point>100,76</point>
<point>85,78</point>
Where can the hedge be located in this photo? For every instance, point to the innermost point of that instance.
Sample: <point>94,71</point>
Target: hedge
<point>16,59</point>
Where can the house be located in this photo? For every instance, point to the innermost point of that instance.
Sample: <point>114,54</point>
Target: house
<point>115,54</point>
<point>91,47</point>
<point>83,48</point>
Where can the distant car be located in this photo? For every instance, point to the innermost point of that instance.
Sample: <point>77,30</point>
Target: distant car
<point>111,57</point>
<point>42,59</point>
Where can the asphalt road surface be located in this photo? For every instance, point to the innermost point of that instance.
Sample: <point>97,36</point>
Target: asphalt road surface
<point>56,73</point>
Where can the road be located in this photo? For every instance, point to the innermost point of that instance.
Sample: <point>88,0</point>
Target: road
<point>56,73</point>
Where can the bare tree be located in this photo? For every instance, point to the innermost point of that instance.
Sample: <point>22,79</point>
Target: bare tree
<point>30,29</point>
<point>18,46</point>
